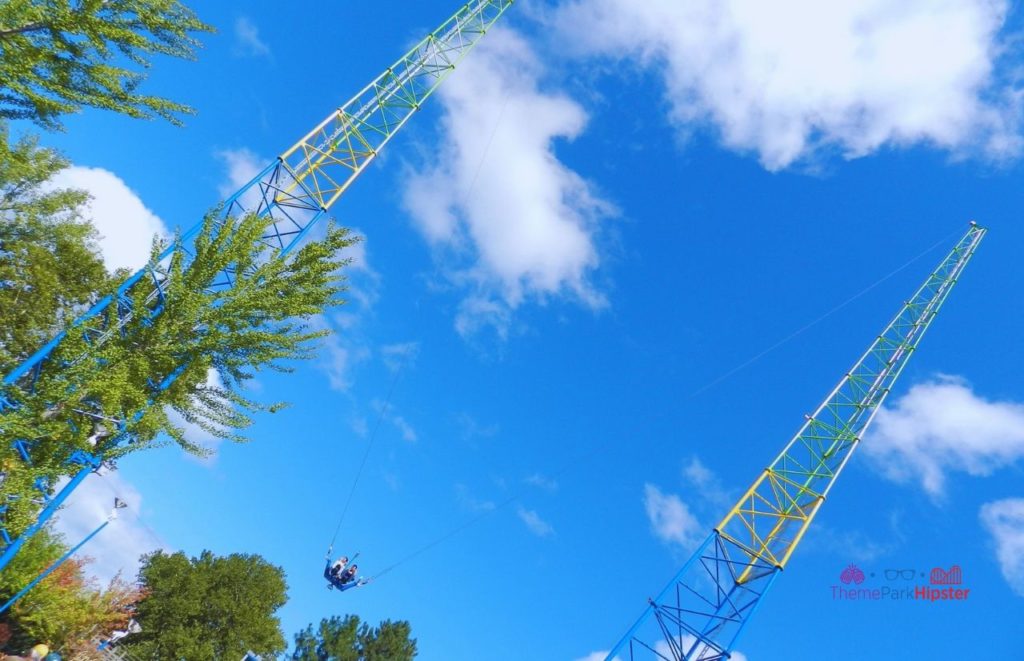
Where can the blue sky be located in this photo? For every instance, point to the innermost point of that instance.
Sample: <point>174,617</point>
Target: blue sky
<point>568,253</point>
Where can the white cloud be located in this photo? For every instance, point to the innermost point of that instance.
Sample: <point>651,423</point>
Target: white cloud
<point>335,359</point>
<point>597,656</point>
<point>400,354</point>
<point>247,38</point>
<point>408,433</point>
<point>534,523</point>
<point>346,346</point>
<point>119,545</point>
<point>242,167</point>
<point>702,651</point>
<point>386,411</point>
<point>362,286</point>
<point>126,225</point>
<point>470,502</point>
<point>542,482</point>
<point>1004,520</point>
<point>787,79</point>
<point>707,483</point>
<point>940,426</point>
<point>471,429</point>
<point>850,544</point>
<point>697,473</point>
<point>242,164</point>
<point>392,481</point>
<point>360,426</point>
<point>515,221</point>
<point>670,518</point>
<point>479,311</point>
<point>338,353</point>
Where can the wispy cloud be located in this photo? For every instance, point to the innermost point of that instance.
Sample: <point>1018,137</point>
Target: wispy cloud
<point>402,354</point>
<point>790,80</point>
<point>687,642</point>
<point>408,433</point>
<point>534,523</point>
<point>339,353</point>
<point>851,545</point>
<point>470,502</point>
<point>671,519</point>
<point>1004,521</point>
<point>706,483</point>
<point>942,425</point>
<point>675,521</point>
<point>387,413</point>
<point>664,651</point>
<point>347,344</point>
<point>505,239</point>
<point>597,656</point>
<point>471,429</point>
<point>392,480</point>
<point>242,166</point>
<point>247,39</point>
<point>542,482</point>
<point>360,426</point>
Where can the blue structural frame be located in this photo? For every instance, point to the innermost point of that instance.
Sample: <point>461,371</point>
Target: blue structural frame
<point>686,596</point>
<point>292,218</point>
<point>293,193</point>
<point>89,464</point>
<point>705,609</point>
<point>291,222</point>
<point>56,563</point>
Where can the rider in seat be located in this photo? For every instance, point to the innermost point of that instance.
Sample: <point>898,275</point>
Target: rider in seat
<point>339,566</point>
<point>342,575</point>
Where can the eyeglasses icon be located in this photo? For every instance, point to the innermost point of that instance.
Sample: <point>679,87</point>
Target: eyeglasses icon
<point>905,574</point>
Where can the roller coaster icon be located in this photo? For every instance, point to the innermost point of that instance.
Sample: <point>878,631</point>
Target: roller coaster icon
<point>952,577</point>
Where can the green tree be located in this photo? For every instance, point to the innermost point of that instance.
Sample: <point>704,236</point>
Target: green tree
<point>57,56</point>
<point>50,267</point>
<point>65,609</point>
<point>344,639</point>
<point>208,607</point>
<point>50,271</point>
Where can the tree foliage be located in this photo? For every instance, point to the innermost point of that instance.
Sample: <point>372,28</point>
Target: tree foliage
<point>57,56</point>
<point>50,267</point>
<point>344,639</point>
<point>208,607</point>
<point>65,609</point>
<point>51,272</point>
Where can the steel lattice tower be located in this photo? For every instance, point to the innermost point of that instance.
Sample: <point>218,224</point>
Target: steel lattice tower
<point>294,192</point>
<point>703,610</point>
